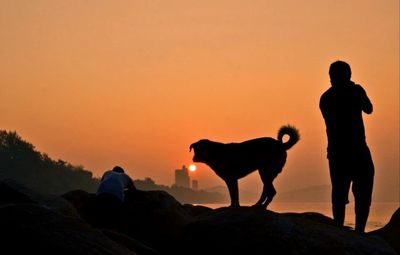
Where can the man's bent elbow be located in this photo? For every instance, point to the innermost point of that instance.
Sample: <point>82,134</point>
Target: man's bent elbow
<point>368,110</point>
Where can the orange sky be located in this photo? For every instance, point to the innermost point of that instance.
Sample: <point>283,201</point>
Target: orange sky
<point>134,83</point>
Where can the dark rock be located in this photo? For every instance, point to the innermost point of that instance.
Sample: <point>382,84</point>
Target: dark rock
<point>36,223</point>
<point>12,192</point>
<point>129,243</point>
<point>81,200</point>
<point>254,231</point>
<point>391,231</point>
<point>11,195</point>
<point>196,210</point>
<point>317,217</point>
<point>35,229</point>
<point>154,218</point>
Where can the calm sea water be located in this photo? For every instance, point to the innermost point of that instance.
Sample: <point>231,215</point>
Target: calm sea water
<point>380,213</point>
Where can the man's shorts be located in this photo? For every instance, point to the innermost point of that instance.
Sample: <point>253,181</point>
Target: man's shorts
<point>351,166</point>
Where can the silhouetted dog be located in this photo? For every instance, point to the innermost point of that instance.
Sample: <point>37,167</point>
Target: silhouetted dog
<point>236,160</point>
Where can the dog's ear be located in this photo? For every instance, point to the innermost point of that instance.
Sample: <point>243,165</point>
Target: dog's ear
<point>191,146</point>
<point>199,144</point>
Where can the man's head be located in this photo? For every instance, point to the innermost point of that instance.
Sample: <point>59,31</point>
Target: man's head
<point>340,73</point>
<point>118,169</point>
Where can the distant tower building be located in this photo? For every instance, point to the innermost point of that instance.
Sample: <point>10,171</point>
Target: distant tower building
<point>195,185</point>
<point>182,177</point>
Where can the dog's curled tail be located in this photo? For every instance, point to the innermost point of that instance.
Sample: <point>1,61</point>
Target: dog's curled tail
<point>292,132</point>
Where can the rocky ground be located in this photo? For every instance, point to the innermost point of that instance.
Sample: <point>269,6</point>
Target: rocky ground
<point>153,222</point>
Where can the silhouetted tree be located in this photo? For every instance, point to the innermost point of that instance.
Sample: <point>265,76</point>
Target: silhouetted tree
<point>20,161</point>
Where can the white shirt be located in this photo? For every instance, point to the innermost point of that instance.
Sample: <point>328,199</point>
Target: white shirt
<point>114,183</point>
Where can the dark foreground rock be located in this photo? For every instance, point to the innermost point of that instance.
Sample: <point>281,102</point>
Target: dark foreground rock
<point>391,231</point>
<point>33,223</point>
<point>11,192</point>
<point>154,222</point>
<point>254,231</point>
<point>154,218</point>
<point>34,229</point>
<point>159,221</point>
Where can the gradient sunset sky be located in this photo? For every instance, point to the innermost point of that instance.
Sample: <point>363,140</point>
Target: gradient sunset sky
<point>134,83</point>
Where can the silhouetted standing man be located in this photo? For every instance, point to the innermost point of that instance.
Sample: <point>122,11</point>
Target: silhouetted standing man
<point>348,154</point>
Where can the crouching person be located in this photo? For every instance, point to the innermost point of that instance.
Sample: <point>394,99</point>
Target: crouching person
<point>110,196</point>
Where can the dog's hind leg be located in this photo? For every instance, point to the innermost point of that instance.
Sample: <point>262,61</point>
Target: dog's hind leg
<point>233,191</point>
<point>269,191</point>
<point>262,198</point>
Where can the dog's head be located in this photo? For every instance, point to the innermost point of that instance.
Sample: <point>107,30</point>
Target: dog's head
<point>201,150</point>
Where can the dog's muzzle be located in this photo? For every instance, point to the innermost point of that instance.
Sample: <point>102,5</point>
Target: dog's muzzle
<point>194,156</point>
<point>195,159</point>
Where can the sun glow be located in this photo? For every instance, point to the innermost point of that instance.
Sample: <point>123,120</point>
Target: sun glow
<point>192,168</point>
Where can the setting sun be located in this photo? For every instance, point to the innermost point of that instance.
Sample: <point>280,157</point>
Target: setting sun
<point>192,168</point>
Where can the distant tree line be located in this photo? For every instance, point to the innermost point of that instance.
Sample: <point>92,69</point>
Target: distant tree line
<point>20,161</point>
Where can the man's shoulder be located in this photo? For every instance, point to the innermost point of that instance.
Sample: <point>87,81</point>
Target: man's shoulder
<point>107,173</point>
<point>326,94</point>
<point>124,176</point>
<point>328,91</point>
<point>358,88</point>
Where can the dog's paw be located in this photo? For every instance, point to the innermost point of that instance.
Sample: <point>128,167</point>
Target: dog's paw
<point>259,206</point>
<point>234,206</point>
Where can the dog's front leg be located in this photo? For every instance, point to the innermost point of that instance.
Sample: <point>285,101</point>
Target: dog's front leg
<point>233,192</point>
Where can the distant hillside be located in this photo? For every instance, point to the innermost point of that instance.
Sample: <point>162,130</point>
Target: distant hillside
<point>317,193</point>
<point>21,162</point>
<point>183,195</point>
<point>322,193</point>
<point>245,196</point>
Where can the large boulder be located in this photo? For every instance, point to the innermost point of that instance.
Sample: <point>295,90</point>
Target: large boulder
<point>196,210</point>
<point>391,231</point>
<point>34,223</point>
<point>129,242</point>
<point>82,201</point>
<point>12,192</point>
<point>154,218</point>
<point>34,229</point>
<point>253,231</point>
